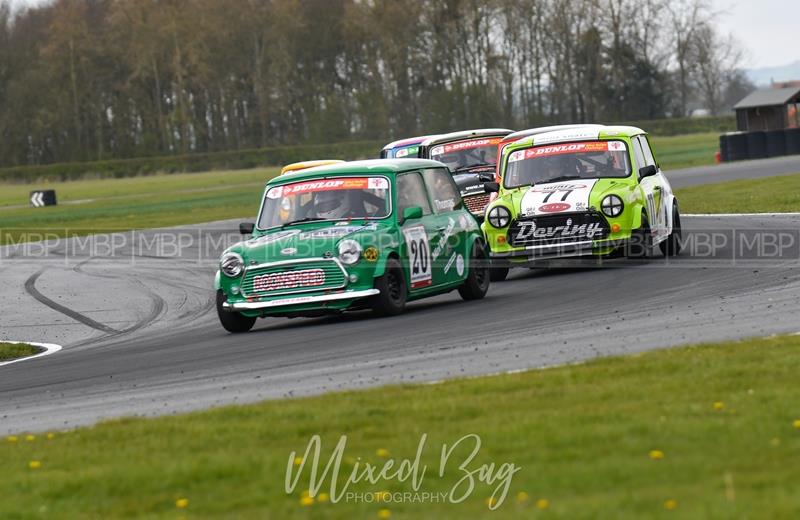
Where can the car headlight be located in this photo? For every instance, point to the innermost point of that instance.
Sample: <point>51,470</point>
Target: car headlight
<point>231,264</point>
<point>349,252</point>
<point>499,216</point>
<point>612,206</point>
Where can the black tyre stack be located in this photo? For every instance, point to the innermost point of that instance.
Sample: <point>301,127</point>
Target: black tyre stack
<point>776,142</point>
<point>792,141</point>
<point>756,145</point>
<point>737,146</point>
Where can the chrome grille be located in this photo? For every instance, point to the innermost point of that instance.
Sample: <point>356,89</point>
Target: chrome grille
<point>293,277</point>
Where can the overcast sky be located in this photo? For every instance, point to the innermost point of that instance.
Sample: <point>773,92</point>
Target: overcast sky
<point>766,29</point>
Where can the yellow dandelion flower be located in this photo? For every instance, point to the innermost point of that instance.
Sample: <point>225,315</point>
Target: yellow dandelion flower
<point>34,464</point>
<point>522,497</point>
<point>656,454</point>
<point>323,497</point>
<point>298,461</point>
<point>382,453</point>
<point>491,501</point>
<point>305,493</point>
<point>670,504</point>
<point>51,436</point>
<point>30,438</point>
<point>306,501</point>
<point>12,438</point>
<point>796,423</point>
<point>719,405</point>
<point>542,503</point>
<point>182,503</point>
<point>384,514</point>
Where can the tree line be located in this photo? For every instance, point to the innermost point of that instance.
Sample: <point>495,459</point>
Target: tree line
<point>101,79</point>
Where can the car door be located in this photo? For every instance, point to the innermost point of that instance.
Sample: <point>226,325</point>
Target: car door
<point>417,232</point>
<point>651,189</point>
<point>449,248</point>
<point>665,199</point>
<point>658,186</point>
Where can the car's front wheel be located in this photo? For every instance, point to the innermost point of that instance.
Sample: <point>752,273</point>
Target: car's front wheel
<point>233,321</point>
<point>476,284</point>
<point>393,292</point>
<point>672,245</point>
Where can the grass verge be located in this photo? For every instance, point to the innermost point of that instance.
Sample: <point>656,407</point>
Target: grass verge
<point>684,151</point>
<point>776,194</point>
<point>9,351</point>
<point>708,431</point>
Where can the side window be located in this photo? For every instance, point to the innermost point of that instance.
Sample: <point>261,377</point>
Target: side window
<point>443,190</point>
<point>637,151</point>
<point>411,192</point>
<point>648,154</point>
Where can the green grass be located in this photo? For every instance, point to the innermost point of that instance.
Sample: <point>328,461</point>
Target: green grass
<point>776,194</point>
<point>581,434</point>
<point>9,351</point>
<point>683,151</point>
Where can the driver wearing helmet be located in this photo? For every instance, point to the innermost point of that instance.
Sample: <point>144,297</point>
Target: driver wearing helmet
<point>332,205</point>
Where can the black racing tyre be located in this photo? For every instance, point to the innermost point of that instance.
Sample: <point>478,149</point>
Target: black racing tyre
<point>233,322</point>
<point>476,284</point>
<point>393,291</point>
<point>498,274</point>
<point>672,245</point>
<point>641,240</point>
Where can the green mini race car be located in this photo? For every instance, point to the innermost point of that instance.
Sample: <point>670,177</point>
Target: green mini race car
<point>576,191</point>
<point>369,234</point>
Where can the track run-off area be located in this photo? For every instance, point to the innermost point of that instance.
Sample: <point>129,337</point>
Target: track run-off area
<point>135,315</point>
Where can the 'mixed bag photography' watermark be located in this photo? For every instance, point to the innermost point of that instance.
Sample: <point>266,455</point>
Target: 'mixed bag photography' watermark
<point>457,467</point>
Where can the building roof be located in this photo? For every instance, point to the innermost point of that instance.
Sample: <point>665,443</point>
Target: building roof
<point>368,167</point>
<point>768,97</point>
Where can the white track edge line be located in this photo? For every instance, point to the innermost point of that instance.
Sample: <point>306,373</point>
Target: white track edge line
<point>49,348</point>
<point>796,214</point>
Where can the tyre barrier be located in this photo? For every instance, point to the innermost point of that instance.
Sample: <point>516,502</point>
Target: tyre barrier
<point>739,146</point>
<point>756,145</point>
<point>792,141</point>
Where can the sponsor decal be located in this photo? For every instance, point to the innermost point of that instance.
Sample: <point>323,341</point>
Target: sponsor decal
<point>289,251</point>
<point>445,205</point>
<point>419,256</point>
<point>346,183</point>
<point>443,240</point>
<point>450,263</point>
<point>528,230</point>
<point>335,231</point>
<point>465,145</point>
<point>460,265</point>
<point>554,207</point>
<point>371,254</point>
<point>405,152</point>
<point>566,148</point>
<point>516,156</point>
<point>565,135</point>
<point>273,237</point>
<point>549,188</point>
<point>289,280</point>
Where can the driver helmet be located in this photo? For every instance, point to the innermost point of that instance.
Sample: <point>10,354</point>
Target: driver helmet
<point>331,204</point>
<point>450,159</point>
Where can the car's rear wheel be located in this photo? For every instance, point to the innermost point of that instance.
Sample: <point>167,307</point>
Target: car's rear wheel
<point>641,240</point>
<point>393,292</point>
<point>233,322</point>
<point>476,284</point>
<point>672,245</point>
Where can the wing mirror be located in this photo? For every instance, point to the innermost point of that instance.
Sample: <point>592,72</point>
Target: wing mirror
<point>491,187</point>
<point>412,212</point>
<point>647,171</point>
<point>246,228</point>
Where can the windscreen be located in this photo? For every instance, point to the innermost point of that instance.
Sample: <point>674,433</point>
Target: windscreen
<point>466,155</point>
<point>565,161</point>
<point>326,199</point>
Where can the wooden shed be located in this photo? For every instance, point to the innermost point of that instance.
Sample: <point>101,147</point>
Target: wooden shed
<point>769,109</point>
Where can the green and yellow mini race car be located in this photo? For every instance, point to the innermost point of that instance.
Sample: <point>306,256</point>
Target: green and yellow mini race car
<point>576,191</point>
<point>368,234</point>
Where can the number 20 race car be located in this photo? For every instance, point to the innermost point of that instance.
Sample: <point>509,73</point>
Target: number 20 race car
<point>369,234</point>
<point>582,190</point>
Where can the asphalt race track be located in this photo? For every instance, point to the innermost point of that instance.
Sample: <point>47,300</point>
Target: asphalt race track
<point>140,334</point>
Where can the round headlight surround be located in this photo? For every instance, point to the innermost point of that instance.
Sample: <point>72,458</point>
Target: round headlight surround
<point>498,216</point>
<point>612,206</point>
<point>231,265</point>
<point>349,251</point>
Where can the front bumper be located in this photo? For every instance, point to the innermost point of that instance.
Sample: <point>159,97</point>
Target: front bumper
<point>531,254</point>
<point>298,300</point>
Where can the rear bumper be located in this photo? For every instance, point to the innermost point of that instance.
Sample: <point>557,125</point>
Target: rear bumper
<point>298,300</point>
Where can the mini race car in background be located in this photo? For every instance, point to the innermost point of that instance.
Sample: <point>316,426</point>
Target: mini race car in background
<point>369,234</point>
<point>403,148</point>
<point>584,190</point>
<point>304,165</point>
